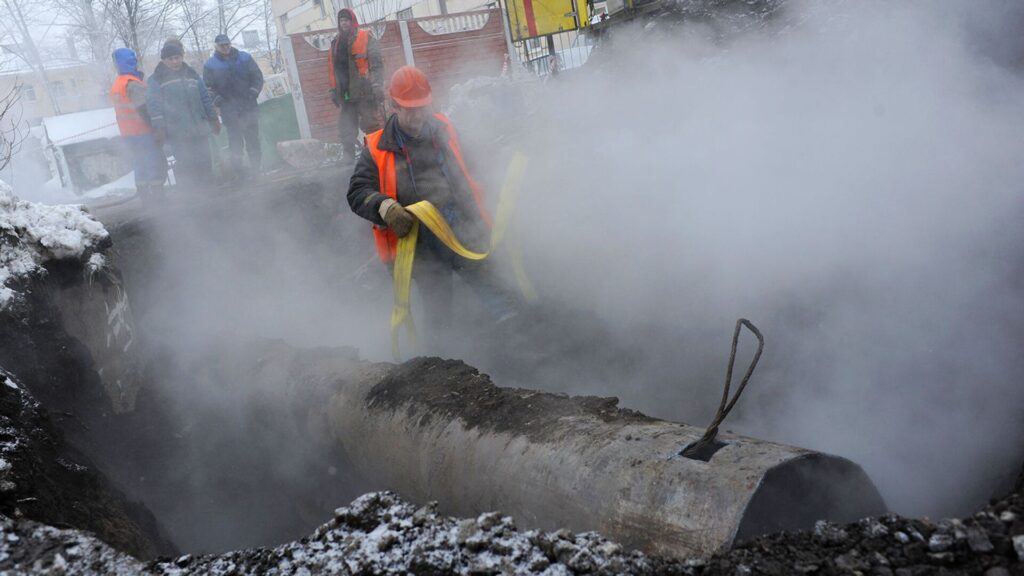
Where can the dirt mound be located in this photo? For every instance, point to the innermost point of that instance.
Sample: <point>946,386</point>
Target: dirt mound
<point>991,542</point>
<point>44,479</point>
<point>453,388</point>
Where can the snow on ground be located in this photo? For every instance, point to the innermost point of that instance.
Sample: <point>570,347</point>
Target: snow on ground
<point>376,534</point>
<point>32,234</point>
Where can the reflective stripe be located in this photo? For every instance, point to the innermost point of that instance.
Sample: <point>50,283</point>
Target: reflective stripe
<point>427,214</point>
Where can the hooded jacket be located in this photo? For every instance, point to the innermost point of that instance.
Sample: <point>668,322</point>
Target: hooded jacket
<point>343,71</point>
<point>234,80</point>
<point>179,102</point>
<point>128,94</point>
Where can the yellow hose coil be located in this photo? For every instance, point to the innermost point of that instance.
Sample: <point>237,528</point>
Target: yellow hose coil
<point>427,214</point>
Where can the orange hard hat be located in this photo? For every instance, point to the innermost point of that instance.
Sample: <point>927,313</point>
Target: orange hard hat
<point>410,88</point>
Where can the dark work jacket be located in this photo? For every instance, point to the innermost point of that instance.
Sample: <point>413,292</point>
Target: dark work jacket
<point>346,73</point>
<point>179,103</point>
<point>234,81</point>
<point>435,176</point>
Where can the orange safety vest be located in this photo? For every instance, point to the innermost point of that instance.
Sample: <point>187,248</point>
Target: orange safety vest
<point>129,121</point>
<point>359,49</point>
<point>385,239</point>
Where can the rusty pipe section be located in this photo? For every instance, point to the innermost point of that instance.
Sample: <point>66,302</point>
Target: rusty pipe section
<point>432,429</point>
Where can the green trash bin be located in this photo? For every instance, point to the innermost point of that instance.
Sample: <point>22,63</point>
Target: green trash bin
<point>277,123</point>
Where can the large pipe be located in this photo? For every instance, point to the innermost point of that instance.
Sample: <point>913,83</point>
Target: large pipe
<point>432,429</point>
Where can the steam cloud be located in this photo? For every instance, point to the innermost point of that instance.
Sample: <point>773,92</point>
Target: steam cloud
<point>848,176</point>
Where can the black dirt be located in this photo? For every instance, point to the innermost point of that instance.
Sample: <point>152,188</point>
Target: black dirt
<point>434,387</point>
<point>42,478</point>
<point>990,542</point>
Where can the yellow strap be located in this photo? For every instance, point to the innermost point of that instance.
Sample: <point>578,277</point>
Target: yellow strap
<point>506,203</point>
<point>427,214</point>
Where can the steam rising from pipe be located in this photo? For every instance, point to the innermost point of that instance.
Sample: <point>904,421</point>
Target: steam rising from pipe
<point>848,176</point>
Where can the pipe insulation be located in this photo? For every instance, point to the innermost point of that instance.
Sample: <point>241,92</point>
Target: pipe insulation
<point>438,430</point>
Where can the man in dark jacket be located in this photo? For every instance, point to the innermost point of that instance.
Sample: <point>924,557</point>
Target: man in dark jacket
<point>356,74</point>
<point>234,81</point>
<point>417,157</point>
<point>181,111</point>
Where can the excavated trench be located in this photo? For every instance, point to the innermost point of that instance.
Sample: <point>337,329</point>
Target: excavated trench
<point>234,440</point>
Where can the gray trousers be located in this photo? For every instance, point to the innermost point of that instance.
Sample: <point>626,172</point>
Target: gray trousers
<point>355,115</point>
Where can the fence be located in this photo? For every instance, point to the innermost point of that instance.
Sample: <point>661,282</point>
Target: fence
<point>449,49</point>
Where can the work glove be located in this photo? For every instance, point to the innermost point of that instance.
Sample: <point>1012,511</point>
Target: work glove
<point>398,219</point>
<point>218,101</point>
<point>160,135</point>
<point>215,126</point>
<point>334,98</point>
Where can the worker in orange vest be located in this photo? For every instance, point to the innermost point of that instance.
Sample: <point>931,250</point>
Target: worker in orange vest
<point>356,74</point>
<point>128,94</point>
<point>416,156</point>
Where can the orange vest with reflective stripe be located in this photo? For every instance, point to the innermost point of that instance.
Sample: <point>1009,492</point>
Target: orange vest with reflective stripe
<point>359,55</point>
<point>129,121</point>
<point>385,239</point>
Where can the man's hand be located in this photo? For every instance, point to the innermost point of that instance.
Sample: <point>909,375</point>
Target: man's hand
<point>334,97</point>
<point>215,125</point>
<point>398,219</point>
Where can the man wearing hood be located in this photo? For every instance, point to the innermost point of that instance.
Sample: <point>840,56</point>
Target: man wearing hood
<point>356,74</point>
<point>235,80</point>
<point>128,95</point>
<point>181,111</point>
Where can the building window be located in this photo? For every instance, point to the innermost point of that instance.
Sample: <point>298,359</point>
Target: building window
<point>28,92</point>
<point>57,89</point>
<point>251,39</point>
<point>404,14</point>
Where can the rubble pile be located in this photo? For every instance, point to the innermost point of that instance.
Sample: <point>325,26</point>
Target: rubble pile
<point>377,534</point>
<point>381,534</point>
<point>991,542</point>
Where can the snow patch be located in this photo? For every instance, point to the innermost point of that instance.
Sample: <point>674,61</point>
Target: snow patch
<point>32,234</point>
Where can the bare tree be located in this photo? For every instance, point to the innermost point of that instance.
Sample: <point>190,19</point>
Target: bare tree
<point>237,15</point>
<point>202,20</point>
<point>140,23</point>
<point>17,24</point>
<point>11,134</point>
<point>88,19</point>
<point>198,22</point>
<point>270,30</point>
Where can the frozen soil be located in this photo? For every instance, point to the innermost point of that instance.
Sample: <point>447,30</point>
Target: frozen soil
<point>43,478</point>
<point>381,534</point>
